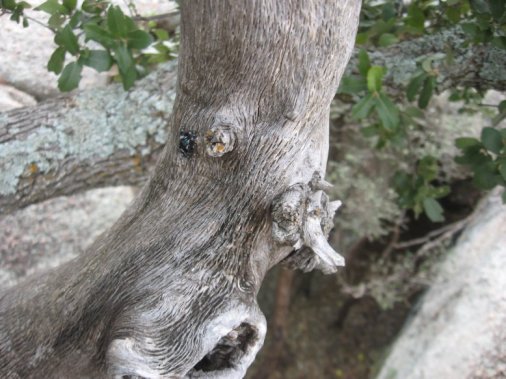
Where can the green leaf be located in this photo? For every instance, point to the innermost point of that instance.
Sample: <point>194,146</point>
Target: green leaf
<point>363,107</point>
<point>485,176</point>
<point>23,5</point>
<point>416,18</point>
<point>100,60</point>
<point>369,131</point>
<point>70,77</point>
<point>116,21</point>
<point>479,6</point>
<point>352,85</point>
<point>503,197</point>
<point>362,38</point>
<point>427,64</point>
<point>414,86</point>
<point>8,4</point>
<point>128,78</point>
<point>414,112</point>
<point>502,168</point>
<point>56,20</point>
<point>498,118</point>
<point>470,29</point>
<point>499,42</point>
<point>124,58</point>
<point>465,142</point>
<point>387,112</point>
<point>426,92</point>
<point>75,19</point>
<point>474,156</point>
<point>433,209</point>
<point>130,24</point>
<point>67,39</point>
<point>56,61</point>
<point>453,14</point>
<point>502,106</point>
<point>363,62</point>
<point>138,39</point>
<point>96,33</point>
<point>162,34</point>
<point>402,181</point>
<point>387,39</point>
<point>94,6</point>
<point>388,11</point>
<point>126,66</point>
<point>374,78</point>
<point>16,16</point>
<point>428,168</point>
<point>70,4</point>
<point>492,139</point>
<point>437,192</point>
<point>52,7</point>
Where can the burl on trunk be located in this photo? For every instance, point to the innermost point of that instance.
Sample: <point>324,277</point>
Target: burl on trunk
<point>170,290</point>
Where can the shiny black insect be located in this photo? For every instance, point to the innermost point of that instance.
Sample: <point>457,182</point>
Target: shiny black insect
<point>187,143</point>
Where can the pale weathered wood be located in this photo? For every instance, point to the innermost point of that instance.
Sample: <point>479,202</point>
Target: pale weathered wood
<point>170,290</point>
<point>133,137</point>
<point>84,140</point>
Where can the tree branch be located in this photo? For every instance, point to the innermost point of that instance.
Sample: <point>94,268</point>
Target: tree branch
<point>476,66</point>
<point>106,136</point>
<point>84,140</point>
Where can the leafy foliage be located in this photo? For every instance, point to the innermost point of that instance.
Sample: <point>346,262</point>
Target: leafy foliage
<point>374,103</point>
<point>486,157</point>
<point>417,192</point>
<point>16,10</point>
<point>99,35</point>
<point>391,120</point>
<point>384,23</point>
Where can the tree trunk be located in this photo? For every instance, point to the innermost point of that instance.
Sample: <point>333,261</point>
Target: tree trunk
<point>170,290</point>
<point>107,137</point>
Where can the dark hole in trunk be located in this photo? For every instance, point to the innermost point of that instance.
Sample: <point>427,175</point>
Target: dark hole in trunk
<point>229,350</point>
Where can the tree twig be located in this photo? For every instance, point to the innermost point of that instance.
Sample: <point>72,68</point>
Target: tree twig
<point>429,236</point>
<point>156,17</point>
<point>396,234</point>
<point>6,11</point>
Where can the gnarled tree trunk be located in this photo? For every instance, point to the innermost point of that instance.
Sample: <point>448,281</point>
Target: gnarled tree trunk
<point>170,290</point>
<point>102,137</point>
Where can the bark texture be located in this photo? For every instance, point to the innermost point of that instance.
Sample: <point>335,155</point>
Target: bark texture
<point>170,290</point>
<point>477,66</point>
<point>104,137</point>
<point>89,139</point>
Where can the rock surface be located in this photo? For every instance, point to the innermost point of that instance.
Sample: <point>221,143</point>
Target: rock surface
<point>11,98</point>
<point>24,52</point>
<point>458,331</point>
<point>48,234</point>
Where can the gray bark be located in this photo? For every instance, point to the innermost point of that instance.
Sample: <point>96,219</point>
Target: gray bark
<point>88,139</point>
<point>105,137</point>
<point>476,66</point>
<point>170,290</point>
